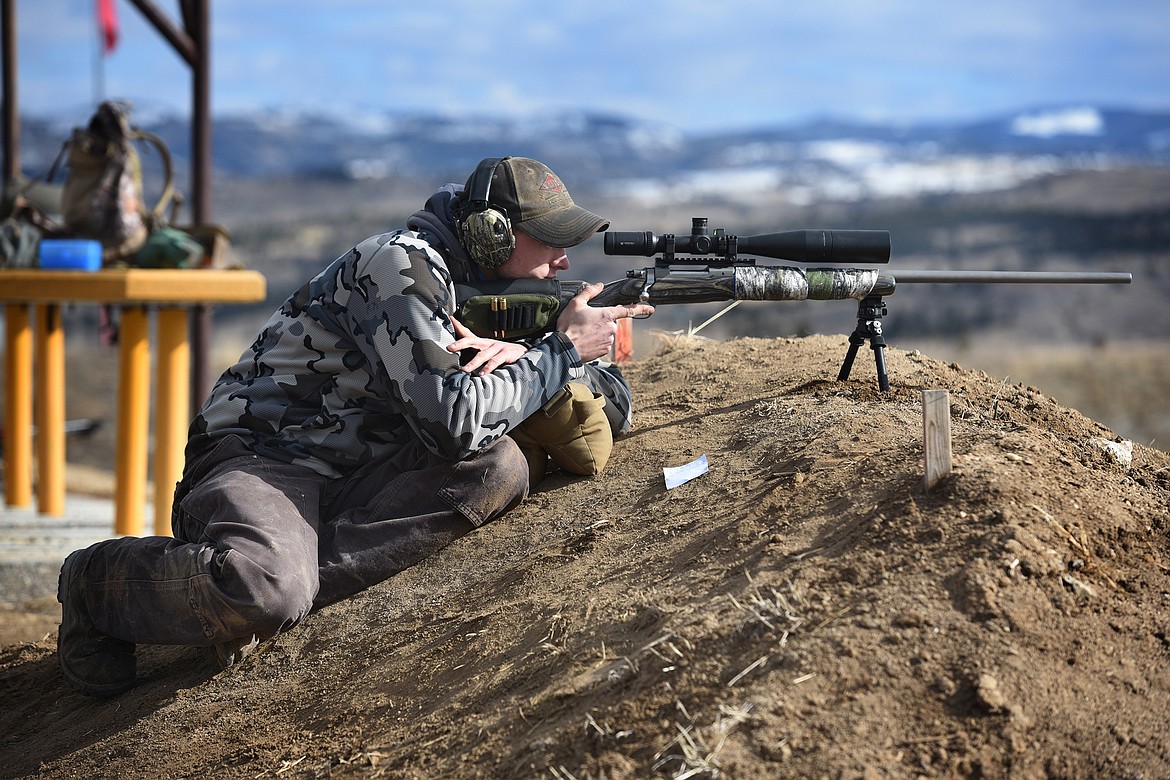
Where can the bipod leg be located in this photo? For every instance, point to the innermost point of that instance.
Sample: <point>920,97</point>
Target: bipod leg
<point>855,341</point>
<point>869,327</point>
<point>878,345</point>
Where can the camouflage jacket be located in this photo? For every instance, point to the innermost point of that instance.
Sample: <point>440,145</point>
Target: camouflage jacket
<point>353,367</point>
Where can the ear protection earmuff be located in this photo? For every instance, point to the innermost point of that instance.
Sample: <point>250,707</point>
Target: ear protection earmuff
<point>486,233</point>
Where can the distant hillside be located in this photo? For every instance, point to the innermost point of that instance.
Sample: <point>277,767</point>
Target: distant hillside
<point>812,160</point>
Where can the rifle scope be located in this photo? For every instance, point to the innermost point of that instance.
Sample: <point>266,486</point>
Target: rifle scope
<point>802,246</point>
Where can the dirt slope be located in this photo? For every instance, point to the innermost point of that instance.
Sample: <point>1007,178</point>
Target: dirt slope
<point>805,609</point>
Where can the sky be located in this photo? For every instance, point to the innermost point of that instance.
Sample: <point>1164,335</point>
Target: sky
<point>696,65</point>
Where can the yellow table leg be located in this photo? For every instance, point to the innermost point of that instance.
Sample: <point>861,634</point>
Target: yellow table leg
<point>50,410</point>
<point>133,422</point>
<point>18,405</point>
<point>172,411</point>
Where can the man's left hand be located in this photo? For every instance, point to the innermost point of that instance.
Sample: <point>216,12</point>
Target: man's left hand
<point>490,354</point>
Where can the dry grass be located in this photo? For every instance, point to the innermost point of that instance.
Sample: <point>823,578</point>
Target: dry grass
<point>669,340</point>
<point>774,609</point>
<point>694,752</point>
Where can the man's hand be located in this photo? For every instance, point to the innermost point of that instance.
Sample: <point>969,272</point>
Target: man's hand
<point>490,354</point>
<point>593,329</point>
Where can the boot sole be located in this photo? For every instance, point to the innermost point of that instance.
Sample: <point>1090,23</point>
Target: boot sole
<point>88,688</point>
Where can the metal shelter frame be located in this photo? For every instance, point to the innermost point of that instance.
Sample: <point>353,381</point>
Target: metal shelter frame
<point>192,42</point>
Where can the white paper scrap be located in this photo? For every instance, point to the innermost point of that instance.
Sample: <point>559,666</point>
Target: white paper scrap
<point>679,475</point>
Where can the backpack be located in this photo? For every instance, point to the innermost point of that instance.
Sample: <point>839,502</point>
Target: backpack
<point>103,197</point>
<point>30,211</point>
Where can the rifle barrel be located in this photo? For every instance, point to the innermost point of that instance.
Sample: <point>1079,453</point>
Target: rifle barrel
<point>1009,277</point>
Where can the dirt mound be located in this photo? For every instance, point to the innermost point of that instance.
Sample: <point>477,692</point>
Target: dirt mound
<point>804,609</point>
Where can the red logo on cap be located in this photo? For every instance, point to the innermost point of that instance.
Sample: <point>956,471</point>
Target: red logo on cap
<point>552,184</point>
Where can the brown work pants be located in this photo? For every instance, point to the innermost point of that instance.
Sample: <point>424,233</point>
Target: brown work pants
<point>259,543</point>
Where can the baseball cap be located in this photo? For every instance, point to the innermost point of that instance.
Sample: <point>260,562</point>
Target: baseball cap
<point>538,203</point>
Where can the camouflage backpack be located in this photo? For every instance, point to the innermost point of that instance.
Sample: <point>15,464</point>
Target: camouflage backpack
<point>103,195</point>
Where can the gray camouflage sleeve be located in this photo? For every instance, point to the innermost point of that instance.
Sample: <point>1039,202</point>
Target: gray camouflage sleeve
<point>401,299</point>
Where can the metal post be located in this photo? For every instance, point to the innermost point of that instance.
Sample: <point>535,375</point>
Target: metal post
<point>193,44</point>
<point>11,113</point>
<point>197,17</point>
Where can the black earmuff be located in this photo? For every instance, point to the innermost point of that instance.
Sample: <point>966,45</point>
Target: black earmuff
<point>486,233</point>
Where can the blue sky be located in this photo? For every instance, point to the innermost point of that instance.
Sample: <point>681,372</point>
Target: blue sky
<point>697,65</point>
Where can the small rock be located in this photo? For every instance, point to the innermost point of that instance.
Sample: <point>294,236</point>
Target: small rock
<point>945,685</point>
<point>909,619</point>
<point>987,689</point>
<point>1079,588</point>
<point>1120,452</point>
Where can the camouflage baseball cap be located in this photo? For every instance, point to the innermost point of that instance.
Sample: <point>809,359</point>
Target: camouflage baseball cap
<point>538,203</point>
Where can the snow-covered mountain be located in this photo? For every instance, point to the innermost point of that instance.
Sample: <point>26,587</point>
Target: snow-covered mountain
<point>813,160</point>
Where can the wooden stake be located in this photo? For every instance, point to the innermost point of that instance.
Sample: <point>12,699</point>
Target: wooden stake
<point>936,435</point>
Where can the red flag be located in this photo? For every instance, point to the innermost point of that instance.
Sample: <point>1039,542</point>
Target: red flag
<point>108,24</point>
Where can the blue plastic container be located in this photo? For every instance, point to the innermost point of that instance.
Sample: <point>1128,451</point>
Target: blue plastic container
<point>70,254</point>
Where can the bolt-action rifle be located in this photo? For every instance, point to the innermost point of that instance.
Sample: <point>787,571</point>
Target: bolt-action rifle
<point>709,266</point>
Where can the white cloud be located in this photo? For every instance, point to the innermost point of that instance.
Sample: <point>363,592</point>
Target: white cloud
<point>1072,121</point>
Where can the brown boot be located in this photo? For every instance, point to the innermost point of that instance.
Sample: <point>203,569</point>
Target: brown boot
<point>97,664</point>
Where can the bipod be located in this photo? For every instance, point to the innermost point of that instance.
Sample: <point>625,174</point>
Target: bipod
<point>869,326</point>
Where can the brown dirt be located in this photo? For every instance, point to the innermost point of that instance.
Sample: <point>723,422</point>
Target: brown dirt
<point>805,609</point>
